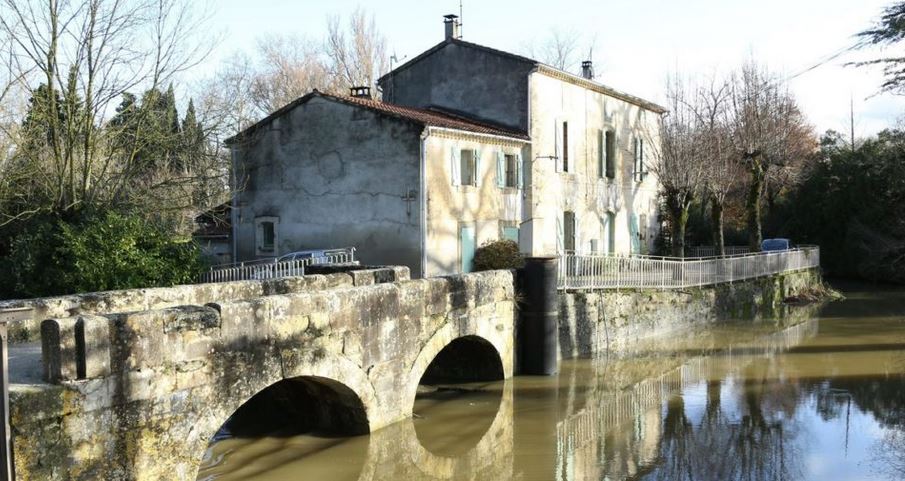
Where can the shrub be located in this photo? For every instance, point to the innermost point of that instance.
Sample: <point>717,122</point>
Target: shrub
<point>96,253</point>
<point>498,254</point>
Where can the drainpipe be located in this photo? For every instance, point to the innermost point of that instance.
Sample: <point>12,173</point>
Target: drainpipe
<point>233,212</point>
<point>422,192</point>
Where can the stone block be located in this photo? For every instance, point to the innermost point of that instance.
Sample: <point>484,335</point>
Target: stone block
<point>93,346</point>
<point>58,350</point>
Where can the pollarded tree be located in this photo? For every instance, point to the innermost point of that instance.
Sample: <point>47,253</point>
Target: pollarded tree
<point>721,170</point>
<point>679,166</point>
<point>767,130</point>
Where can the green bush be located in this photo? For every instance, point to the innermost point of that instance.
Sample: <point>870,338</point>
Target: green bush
<point>96,253</point>
<point>498,254</point>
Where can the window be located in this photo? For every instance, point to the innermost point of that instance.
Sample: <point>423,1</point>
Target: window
<point>509,170</point>
<point>565,147</point>
<point>465,166</point>
<point>510,233</point>
<point>609,233</point>
<point>594,246</point>
<point>468,169</point>
<point>610,154</point>
<point>569,227</point>
<point>266,235</point>
<point>601,155</point>
<point>639,172</point>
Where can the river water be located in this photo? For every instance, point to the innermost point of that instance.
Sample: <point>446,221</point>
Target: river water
<point>815,399</point>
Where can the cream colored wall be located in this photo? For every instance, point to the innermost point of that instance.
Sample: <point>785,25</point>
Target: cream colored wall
<point>551,193</point>
<point>450,206</point>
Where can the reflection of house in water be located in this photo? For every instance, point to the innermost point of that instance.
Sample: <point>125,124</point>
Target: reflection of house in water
<point>635,429</point>
<point>470,144</point>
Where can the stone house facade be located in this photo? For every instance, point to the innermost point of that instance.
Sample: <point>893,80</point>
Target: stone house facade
<point>337,171</point>
<point>469,144</point>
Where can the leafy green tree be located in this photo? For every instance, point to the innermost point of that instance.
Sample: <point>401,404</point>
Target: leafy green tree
<point>889,30</point>
<point>95,253</point>
<point>851,205</point>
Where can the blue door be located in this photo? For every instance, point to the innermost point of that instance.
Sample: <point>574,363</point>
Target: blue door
<point>468,245</point>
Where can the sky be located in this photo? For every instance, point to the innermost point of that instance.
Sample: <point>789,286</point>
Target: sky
<point>636,43</point>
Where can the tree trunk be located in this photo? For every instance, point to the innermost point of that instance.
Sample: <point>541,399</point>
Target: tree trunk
<point>678,220</point>
<point>716,224</point>
<point>752,206</point>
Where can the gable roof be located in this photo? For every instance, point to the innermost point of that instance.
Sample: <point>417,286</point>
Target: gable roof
<point>539,66</point>
<point>424,117</point>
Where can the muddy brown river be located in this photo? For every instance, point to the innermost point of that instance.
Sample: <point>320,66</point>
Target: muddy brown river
<point>819,398</point>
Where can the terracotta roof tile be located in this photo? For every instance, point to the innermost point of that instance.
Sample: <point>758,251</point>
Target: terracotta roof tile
<point>424,117</point>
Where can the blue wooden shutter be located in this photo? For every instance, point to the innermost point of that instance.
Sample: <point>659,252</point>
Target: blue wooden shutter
<point>455,166</point>
<point>477,167</point>
<point>500,169</point>
<point>521,170</point>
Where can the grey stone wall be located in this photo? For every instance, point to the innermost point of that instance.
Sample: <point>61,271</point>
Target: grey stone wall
<point>147,390</point>
<point>336,176</point>
<point>128,300</point>
<point>461,78</point>
<point>619,320</point>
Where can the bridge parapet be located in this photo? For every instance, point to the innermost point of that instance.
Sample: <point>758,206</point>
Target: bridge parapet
<point>139,395</point>
<point>130,300</point>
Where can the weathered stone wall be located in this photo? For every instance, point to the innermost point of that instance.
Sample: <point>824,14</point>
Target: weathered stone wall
<point>617,320</point>
<point>145,392</point>
<point>130,300</point>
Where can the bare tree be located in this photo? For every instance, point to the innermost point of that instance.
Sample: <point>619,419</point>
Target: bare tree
<point>560,49</point>
<point>76,59</point>
<point>289,67</point>
<point>357,57</point>
<point>680,167</point>
<point>721,169</point>
<point>766,131</point>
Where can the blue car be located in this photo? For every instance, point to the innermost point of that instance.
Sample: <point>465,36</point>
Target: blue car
<point>775,245</point>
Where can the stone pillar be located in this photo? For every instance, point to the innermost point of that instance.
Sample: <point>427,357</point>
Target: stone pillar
<point>537,331</point>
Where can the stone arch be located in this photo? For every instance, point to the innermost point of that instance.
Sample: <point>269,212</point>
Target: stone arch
<point>327,373</point>
<point>491,450</point>
<point>445,336</point>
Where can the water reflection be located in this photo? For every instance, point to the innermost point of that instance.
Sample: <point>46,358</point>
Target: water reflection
<point>819,399</point>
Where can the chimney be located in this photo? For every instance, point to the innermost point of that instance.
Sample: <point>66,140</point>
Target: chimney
<point>587,69</point>
<point>452,26</point>
<point>360,92</point>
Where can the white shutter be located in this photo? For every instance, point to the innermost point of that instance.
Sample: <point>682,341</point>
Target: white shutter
<point>500,169</point>
<point>477,167</point>
<point>575,234</point>
<point>455,166</point>
<point>559,234</point>
<point>635,158</point>
<point>557,129</point>
<point>521,171</point>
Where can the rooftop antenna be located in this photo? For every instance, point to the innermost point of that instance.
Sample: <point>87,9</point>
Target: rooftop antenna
<point>460,18</point>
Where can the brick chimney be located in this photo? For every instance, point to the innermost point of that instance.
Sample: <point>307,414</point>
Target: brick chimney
<point>587,69</point>
<point>451,22</point>
<point>360,92</point>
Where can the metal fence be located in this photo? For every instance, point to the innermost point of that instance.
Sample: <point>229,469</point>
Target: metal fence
<point>613,272</point>
<point>275,268</point>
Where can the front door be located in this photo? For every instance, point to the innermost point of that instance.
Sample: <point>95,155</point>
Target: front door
<point>467,245</point>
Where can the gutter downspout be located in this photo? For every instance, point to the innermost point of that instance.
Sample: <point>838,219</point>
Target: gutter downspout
<point>233,211</point>
<point>422,192</point>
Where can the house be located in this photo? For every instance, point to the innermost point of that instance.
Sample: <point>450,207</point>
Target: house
<point>469,144</point>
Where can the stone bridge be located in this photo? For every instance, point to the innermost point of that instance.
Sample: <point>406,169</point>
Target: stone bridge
<point>135,385</point>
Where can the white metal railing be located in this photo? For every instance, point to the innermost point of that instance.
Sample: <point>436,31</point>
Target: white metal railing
<point>612,272</point>
<point>274,268</point>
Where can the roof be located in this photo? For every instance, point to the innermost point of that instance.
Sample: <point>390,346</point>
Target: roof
<point>541,67</point>
<point>425,117</point>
